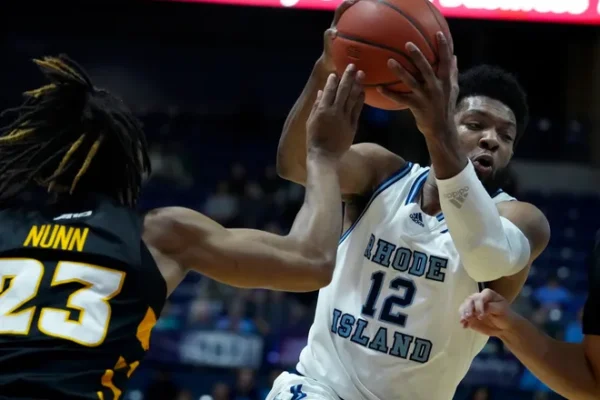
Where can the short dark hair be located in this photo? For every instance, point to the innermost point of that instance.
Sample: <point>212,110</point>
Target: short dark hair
<point>498,84</point>
<point>71,137</point>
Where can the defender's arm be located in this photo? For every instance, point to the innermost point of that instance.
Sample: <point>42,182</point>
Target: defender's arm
<point>301,261</point>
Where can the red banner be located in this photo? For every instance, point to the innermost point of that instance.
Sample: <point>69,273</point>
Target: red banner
<point>562,11</point>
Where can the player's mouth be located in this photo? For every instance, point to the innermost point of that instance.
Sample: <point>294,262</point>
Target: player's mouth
<point>484,164</point>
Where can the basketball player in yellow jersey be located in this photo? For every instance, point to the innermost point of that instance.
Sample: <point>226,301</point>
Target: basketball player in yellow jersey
<point>83,278</point>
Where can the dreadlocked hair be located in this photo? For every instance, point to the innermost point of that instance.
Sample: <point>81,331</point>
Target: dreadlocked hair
<point>70,137</point>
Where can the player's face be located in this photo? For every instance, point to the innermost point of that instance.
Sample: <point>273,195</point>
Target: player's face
<point>487,130</point>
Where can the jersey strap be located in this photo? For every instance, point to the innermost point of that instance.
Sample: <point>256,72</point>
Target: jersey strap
<point>398,175</point>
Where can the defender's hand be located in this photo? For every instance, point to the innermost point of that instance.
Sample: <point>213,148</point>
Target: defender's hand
<point>433,100</point>
<point>486,312</point>
<point>334,117</point>
<point>325,62</point>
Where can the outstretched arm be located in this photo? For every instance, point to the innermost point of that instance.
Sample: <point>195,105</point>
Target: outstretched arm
<point>570,369</point>
<point>363,166</point>
<point>304,259</point>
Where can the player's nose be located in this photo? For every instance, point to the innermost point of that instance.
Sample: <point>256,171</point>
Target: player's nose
<point>489,140</point>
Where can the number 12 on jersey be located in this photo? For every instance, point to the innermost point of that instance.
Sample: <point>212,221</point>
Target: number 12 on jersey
<point>25,277</point>
<point>387,313</point>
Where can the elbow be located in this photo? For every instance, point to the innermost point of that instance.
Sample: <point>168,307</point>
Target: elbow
<point>321,273</point>
<point>282,167</point>
<point>486,264</point>
<point>288,168</point>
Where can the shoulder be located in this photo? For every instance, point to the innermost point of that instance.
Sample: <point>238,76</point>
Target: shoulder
<point>381,161</point>
<point>530,220</point>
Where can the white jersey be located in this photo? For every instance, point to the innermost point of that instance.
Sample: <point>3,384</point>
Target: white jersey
<point>387,327</point>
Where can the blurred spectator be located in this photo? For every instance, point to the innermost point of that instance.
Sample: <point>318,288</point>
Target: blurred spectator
<point>298,321</point>
<point>161,388</point>
<point>261,311</point>
<point>169,320</point>
<point>273,374</point>
<point>222,206</point>
<point>481,393</point>
<point>574,331</point>
<point>271,182</point>
<point>201,315</point>
<point>167,165</point>
<point>531,383</point>
<point>253,205</point>
<point>221,391</point>
<point>185,395</point>
<point>237,180</point>
<point>552,294</point>
<point>245,388</point>
<point>236,320</point>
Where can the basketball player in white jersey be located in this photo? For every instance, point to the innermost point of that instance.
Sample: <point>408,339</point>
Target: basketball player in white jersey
<point>418,240</point>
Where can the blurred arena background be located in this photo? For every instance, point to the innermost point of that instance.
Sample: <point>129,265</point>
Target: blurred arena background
<point>213,84</point>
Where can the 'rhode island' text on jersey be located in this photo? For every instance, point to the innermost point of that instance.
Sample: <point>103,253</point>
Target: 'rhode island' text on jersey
<point>387,326</point>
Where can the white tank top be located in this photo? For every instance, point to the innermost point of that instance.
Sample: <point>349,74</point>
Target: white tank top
<point>387,327</point>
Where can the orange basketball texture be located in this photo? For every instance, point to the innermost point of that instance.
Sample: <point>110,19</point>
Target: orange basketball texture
<point>371,32</point>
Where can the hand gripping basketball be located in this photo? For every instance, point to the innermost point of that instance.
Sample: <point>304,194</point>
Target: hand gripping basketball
<point>333,120</point>
<point>433,100</point>
<point>326,61</point>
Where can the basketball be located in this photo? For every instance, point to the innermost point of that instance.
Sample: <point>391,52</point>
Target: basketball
<point>369,33</point>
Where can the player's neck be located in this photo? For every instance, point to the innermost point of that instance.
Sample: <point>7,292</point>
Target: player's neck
<point>429,198</point>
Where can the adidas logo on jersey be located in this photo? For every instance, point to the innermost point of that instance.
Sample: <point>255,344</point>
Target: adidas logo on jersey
<point>417,218</point>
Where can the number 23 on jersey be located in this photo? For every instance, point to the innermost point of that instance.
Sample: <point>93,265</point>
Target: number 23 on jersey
<point>20,281</point>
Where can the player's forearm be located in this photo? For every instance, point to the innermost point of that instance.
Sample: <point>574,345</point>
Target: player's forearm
<point>319,222</point>
<point>491,247</point>
<point>291,152</point>
<point>562,366</point>
<point>447,158</point>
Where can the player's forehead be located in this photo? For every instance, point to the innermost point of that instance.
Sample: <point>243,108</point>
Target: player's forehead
<point>486,107</point>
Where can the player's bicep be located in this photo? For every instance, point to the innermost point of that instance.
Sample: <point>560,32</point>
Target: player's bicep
<point>591,345</point>
<point>531,221</point>
<point>361,169</point>
<point>534,225</point>
<point>256,259</point>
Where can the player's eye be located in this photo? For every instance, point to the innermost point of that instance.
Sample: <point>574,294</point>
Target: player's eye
<point>474,126</point>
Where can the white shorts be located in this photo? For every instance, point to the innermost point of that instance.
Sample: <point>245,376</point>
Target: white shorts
<point>296,387</point>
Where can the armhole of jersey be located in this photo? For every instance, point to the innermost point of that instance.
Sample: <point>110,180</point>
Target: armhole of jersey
<point>395,177</point>
<point>501,196</point>
<point>147,260</point>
